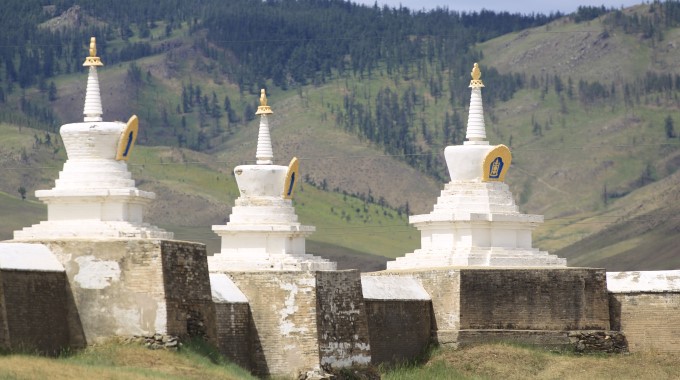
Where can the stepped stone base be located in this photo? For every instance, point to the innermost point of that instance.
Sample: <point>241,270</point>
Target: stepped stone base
<point>95,229</point>
<point>482,257</point>
<point>128,287</point>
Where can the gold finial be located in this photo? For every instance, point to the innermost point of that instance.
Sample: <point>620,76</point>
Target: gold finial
<point>93,60</point>
<point>476,73</point>
<point>263,109</point>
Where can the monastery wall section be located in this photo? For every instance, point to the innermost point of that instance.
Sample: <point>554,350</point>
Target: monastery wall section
<point>138,287</point>
<point>400,329</point>
<point>341,322</point>
<point>33,311</point>
<point>534,299</point>
<point>283,312</point>
<point>651,321</point>
<point>233,329</point>
<point>186,284</point>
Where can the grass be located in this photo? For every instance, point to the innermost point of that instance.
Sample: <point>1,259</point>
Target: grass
<point>487,361</point>
<point>123,361</point>
<point>505,361</point>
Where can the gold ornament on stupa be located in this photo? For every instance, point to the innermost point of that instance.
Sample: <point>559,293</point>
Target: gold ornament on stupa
<point>476,74</point>
<point>93,60</point>
<point>263,109</point>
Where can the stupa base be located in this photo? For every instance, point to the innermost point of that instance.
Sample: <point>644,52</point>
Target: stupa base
<point>478,257</point>
<point>90,229</point>
<point>248,261</point>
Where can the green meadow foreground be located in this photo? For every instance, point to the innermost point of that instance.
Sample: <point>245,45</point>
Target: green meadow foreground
<point>492,361</point>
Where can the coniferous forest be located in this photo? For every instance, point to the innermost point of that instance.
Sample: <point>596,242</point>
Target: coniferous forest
<point>394,79</point>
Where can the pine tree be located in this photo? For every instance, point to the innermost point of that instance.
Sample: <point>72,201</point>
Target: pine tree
<point>669,126</point>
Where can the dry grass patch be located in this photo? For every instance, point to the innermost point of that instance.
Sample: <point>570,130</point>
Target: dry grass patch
<point>121,361</point>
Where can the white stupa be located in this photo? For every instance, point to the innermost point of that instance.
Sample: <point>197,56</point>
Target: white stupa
<point>263,232</point>
<point>95,196</point>
<point>475,221</point>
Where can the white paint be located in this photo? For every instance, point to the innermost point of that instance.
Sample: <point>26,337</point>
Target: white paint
<point>264,153</point>
<point>161,321</point>
<point>286,327</point>
<point>96,274</point>
<point>24,256</point>
<point>339,354</point>
<point>393,288</point>
<point>128,321</point>
<point>224,290</point>
<point>643,281</point>
<point>94,191</point>
<point>263,232</point>
<point>475,223</point>
<point>93,102</point>
<point>476,129</point>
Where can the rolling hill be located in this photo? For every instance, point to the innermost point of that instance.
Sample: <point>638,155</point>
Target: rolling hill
<point>583,104</point>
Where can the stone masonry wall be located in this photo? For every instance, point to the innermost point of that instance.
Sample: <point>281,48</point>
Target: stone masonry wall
<point>283,320</point>
<point>233,330</point>
<point>137,287</point>
<point>443,285</point>
<point>341,321</point>
<point>191,311</point>
<point>534,299</point>
<point>650,321</point>
<point>399,329</point>
<point>34,311</point>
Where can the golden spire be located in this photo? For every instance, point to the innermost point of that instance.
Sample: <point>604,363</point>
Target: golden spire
<point>476,81</point>
<point>93,60</point>
<point>263,109</point>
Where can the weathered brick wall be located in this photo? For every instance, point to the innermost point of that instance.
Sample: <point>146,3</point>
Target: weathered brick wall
<point>137,287</point>
<point>399,329</point>
<point>34,310</point>
<point>283,320</point>
<point>341,321</point>
<point>191,312</point>
<point>443,285</point>
<point>519,299</point>
<point>650,321</point>
<point>233,330</point>
<point>534,299</point>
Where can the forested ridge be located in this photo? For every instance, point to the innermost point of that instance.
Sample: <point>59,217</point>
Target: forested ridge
<point>423,56</point>
<point>360,88</point>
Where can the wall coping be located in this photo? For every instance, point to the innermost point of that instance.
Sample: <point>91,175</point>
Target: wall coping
<point>393,288</point>
<point>643,281</point>
<point>224,290</point>
<point>27,256</point>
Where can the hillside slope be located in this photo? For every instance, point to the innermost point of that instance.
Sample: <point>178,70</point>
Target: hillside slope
<point>585,107</point>
<point>604,171</point>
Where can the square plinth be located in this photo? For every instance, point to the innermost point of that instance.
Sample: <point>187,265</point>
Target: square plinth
<point>470,302</point>
<point>126,287</point>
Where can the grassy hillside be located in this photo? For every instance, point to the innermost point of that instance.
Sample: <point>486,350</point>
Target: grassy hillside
<point>583,107</point>
<point>603,172</point>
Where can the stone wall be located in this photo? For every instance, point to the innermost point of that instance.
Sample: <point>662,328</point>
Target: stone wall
<point>188,298</point>
<point>651,321</point>
<point>283,325</point>
<point>233,320</point>
<point>138,287</point>
<point>341,321</point>
<point>301,320</point>
<point>534,299</point>
<point>399,329</point>
<point>233,332</point>
<point>443,287</point>
<point>467,302</point>
<point>33,311</point>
